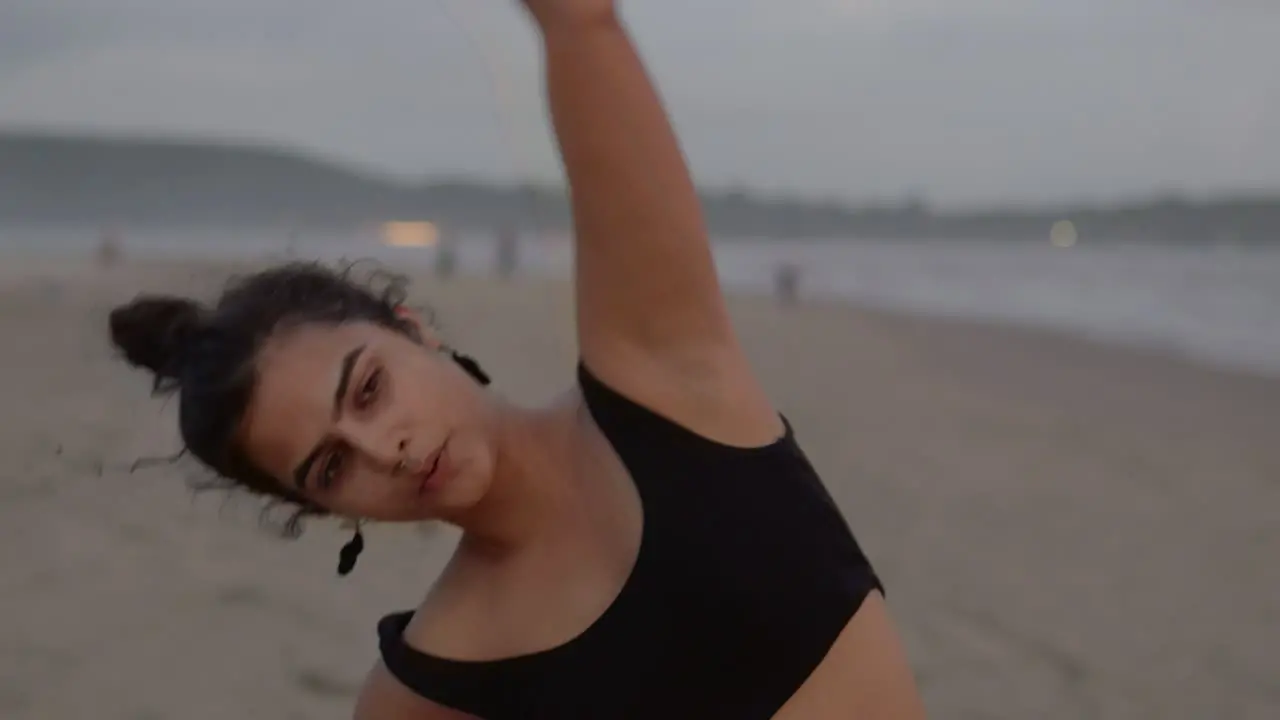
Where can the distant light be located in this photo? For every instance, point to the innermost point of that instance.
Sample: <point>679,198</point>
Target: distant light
<point>1063,234</point>
<point>410,234</point>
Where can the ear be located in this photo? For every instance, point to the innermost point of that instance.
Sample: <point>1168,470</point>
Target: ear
<point>419,329</point>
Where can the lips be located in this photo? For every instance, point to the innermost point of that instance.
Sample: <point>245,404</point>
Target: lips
<point>435,466</point>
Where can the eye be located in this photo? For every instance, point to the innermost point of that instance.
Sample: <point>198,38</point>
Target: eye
<point>331,469</point>
<point>368,391</point>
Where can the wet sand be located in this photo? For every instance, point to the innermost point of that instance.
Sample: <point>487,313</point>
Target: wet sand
<point>1066,529</point>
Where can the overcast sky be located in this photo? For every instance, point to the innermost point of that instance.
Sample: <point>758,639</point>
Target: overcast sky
<point>959,101</point>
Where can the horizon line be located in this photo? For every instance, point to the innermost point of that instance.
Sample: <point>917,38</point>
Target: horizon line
<point>373,172</point>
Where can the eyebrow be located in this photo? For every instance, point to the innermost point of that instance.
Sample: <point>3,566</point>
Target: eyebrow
<point>344,382</point>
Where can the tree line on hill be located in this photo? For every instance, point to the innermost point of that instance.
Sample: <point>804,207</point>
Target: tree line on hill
<point>65,178</point>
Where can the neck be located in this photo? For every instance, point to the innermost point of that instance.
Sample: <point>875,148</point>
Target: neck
<point>528,495</point>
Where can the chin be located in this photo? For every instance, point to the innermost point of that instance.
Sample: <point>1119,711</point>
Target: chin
<point>458,496</point>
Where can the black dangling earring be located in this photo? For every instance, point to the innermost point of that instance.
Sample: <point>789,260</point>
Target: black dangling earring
<point>469,364</point>
<point>350,552</point>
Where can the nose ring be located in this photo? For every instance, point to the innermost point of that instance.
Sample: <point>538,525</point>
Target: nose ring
<point>402,465</point>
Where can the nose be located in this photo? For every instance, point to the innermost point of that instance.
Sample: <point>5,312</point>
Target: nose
<point>385,448</point>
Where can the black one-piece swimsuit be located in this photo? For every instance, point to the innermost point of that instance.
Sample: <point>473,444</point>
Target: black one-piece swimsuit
<point>746,574</point>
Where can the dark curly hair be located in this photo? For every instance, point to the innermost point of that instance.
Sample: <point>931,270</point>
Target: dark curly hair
<point>207,355</point>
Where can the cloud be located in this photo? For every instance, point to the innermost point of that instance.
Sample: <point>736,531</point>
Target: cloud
<point>967,100</point>
<point>898,9</point>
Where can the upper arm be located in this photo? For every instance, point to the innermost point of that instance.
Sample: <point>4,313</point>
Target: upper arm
<point>383,697</point>
<point>652,320</point>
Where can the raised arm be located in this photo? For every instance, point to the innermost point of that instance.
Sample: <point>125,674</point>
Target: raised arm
<point>651,317</point>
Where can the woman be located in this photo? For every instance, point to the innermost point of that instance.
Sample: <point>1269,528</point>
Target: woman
<point>652,545</point>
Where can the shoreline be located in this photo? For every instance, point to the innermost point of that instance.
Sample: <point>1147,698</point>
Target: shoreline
<point>43,267</point>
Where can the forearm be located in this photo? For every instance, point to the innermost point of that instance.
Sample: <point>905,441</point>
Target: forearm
<point>635,207</point>
<point>620,152</point>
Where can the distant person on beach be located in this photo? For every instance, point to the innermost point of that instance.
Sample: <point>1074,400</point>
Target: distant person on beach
<point>109,247</point>
<point>653,544</point>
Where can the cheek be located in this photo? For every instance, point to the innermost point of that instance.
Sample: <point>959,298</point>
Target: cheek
<point>434,394</point>
<point>473,458</point>
<point>369,492</point>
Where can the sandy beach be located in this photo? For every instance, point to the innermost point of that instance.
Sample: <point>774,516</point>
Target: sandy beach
<point>1066,529</point>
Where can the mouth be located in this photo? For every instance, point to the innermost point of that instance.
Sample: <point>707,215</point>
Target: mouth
<point>434,465</point>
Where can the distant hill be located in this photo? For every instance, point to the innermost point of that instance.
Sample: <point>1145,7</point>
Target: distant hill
<point>45,177</point>
<point>48,177</point>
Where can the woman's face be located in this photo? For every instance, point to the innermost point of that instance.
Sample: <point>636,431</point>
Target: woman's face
<point>369,423</point>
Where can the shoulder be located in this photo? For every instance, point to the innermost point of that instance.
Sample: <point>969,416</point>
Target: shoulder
<point>413,645</point>
<point>451,620</point>
<point>383,697</point>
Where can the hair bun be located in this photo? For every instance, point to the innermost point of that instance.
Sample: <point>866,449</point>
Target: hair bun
<point>153,332</point>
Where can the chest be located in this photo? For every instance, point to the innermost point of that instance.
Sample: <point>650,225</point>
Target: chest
<point>752,574</point>
<point>759,534</point>
<point>558,589</point>
<point>696,595</point>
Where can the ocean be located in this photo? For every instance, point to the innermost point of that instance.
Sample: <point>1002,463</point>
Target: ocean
<point>1217,303</point>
